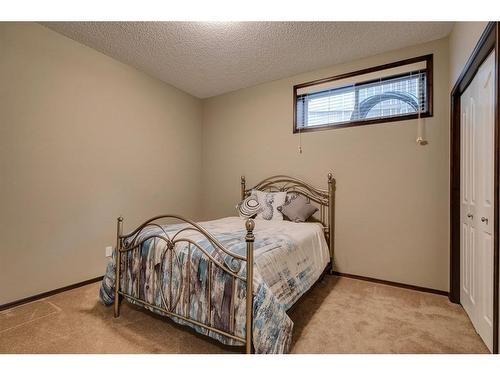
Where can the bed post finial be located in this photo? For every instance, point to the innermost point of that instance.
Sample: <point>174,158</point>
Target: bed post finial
<point>243,181</point>
<point>249,238</point>
<point>119,232</point>
<point>250,225</point>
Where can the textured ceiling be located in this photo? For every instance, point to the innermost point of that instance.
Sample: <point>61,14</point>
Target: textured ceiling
<point>211,58</point>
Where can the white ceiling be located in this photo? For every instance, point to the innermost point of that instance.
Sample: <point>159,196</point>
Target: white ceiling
<point>211,58</point>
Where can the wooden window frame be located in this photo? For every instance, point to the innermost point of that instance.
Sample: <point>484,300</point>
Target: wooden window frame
<point>429,88</point>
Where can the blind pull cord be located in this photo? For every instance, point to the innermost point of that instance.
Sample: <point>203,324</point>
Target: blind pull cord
<point>420,125</point>
<point>300,140</point>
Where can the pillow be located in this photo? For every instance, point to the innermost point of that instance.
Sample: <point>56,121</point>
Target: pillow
<point>297,208</point>
<point>269,203</point>
<point>290,196</point>
<point>249,207</point>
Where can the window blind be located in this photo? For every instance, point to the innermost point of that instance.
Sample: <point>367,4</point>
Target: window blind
<point>384,95</point>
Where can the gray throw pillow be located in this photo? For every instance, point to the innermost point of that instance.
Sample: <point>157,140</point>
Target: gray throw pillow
<point>298,208</point>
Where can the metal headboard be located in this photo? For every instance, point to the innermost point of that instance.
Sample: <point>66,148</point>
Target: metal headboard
<point>324,198</point>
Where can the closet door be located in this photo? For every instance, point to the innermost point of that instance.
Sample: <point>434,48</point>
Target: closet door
<point>486,136</point>
<point>468,256</point>
<point>477,209</point>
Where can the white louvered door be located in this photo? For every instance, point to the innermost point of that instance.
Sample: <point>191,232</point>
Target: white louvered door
<point>477,197</point>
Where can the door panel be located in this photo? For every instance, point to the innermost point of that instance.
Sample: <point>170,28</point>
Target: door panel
<point>472,266</point>
<point>488,280</point>
<point>473,141</point>
<point>465,262</point>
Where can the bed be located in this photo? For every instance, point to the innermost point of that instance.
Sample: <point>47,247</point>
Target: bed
<point>200,274</point>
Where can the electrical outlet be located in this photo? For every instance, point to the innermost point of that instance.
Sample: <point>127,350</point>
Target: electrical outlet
<point>109,251</point>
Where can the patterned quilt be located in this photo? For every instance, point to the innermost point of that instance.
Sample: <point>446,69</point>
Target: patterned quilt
<point>288,259</point>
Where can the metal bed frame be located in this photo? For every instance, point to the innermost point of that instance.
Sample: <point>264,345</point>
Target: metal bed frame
<point>132,241</point>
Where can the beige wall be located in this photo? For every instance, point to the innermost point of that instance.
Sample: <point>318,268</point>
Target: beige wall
<point>463,38</point>
<point>392,195</point>
<point>83,139</point>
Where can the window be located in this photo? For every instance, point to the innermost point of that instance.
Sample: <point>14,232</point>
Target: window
<point>391,92</point>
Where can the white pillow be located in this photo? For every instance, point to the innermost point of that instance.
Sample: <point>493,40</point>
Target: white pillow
<point>269,203</point>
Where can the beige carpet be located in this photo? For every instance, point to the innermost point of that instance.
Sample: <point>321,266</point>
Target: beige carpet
<point>339,315</point>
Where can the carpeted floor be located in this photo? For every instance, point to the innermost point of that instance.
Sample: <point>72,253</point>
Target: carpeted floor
<point>339,315</point>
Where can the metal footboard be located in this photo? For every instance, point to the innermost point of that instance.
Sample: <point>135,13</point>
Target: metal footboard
<point>129,247</point>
